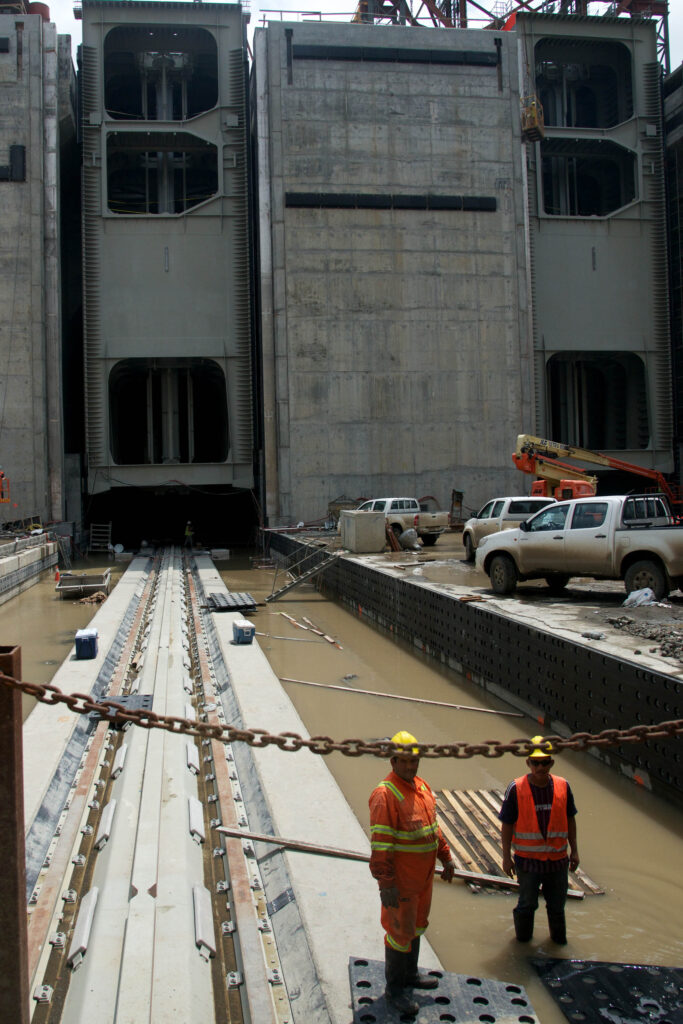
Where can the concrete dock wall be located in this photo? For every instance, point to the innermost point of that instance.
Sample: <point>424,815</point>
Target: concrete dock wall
<point>569,687</point>
<point>393,277</point>
<point>21,565</point>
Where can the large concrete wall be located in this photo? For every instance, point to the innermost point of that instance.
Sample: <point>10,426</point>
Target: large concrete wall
<point>599,279</point>
<point>396,354</point>
<point>30,338</point>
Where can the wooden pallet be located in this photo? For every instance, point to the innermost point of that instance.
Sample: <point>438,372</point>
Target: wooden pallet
<point>469,822</point>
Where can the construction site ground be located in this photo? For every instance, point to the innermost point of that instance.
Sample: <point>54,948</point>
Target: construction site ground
<point>589,612</point>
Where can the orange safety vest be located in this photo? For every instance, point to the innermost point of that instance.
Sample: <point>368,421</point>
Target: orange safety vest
<point>527,838</point>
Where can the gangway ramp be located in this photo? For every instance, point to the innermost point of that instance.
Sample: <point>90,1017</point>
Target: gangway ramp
<point>304,574</point>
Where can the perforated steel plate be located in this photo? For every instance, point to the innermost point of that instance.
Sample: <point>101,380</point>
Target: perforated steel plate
<point>230,602</point>
<point>130,701</point>
<point>459,997</point>
<point>588,991</point>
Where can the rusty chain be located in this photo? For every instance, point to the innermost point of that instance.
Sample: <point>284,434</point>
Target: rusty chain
<point>290,742</point>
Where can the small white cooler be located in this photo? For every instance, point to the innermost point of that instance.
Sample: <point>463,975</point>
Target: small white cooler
<point>243,631</point>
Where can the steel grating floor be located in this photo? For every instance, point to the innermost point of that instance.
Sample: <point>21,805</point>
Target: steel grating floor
<point>590,991</point>
<point>459,997</point>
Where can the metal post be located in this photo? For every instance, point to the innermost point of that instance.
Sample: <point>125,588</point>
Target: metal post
<point>14,996</point>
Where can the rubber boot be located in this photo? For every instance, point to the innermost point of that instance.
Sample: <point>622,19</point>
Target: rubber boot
<point>395,965</point>
<point>558,928</point>
<point>524,924</point>
<point>413,977</point>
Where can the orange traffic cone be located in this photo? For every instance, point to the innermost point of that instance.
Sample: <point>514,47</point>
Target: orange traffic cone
<point>57,575</point>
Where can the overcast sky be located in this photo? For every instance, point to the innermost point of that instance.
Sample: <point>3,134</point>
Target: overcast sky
<point>61,12</point>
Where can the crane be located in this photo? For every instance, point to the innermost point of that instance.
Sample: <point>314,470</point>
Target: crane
<point>541,457</point>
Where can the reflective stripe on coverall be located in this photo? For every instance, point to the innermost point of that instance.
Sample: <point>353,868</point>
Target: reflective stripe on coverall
<point>406,841</point>
<point>527,838</point>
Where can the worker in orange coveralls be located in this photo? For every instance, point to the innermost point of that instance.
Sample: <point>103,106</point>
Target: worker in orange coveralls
<point>406,841</point>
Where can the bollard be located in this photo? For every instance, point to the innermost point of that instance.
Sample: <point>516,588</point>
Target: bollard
<point>14,995</point>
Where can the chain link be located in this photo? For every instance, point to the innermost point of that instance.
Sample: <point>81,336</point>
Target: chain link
<point>291,742</point>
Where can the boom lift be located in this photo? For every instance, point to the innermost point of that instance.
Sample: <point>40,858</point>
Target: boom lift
<point>540,457</point>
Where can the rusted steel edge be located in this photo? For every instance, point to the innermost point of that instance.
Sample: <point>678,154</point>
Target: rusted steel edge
<point>259,995</point>
<point>333,851</point>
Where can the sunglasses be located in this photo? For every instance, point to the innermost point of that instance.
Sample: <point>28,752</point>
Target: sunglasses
<point>544,761</point>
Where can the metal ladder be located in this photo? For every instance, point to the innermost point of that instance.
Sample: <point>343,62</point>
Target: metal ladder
<point>306,575</point>
<point>64,552</point>
<point>100,537</point>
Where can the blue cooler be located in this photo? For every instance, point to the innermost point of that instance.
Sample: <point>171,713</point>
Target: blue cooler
<point>243,631</point>
<point>86,644</point>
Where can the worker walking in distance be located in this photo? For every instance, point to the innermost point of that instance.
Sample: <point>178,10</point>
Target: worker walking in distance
<point>189,534</point>
<point>538,819</point>
<point>406,841</point>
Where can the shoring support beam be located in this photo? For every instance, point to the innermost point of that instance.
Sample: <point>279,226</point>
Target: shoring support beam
<point>14,995</point>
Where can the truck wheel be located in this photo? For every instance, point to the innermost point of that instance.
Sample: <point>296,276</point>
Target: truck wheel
<point>503,574</point>
<point>469,548</point>
<point>430,539</point>
<point>647,574</point>
<point>557,582</point>
<point>398,530</point>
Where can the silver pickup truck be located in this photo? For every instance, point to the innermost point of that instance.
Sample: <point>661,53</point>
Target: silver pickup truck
<point>406,513</point>
<point>632,537</point>
<point>499,514</point>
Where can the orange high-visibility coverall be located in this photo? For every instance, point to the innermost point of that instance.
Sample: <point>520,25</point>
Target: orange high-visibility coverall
<point>406,841</point>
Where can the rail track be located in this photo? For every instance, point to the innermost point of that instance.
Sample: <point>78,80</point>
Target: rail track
<point>141,910</point>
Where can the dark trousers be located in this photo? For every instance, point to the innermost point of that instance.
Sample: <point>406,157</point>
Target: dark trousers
<point>553,885</point>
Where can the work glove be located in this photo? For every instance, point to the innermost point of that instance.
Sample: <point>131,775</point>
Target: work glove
<point>389,897</point>
<point>448,871</point>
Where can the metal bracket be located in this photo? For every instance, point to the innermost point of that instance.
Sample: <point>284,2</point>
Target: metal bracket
<point>280,901</point>
<point>43,993</point>
<point>234,979</point>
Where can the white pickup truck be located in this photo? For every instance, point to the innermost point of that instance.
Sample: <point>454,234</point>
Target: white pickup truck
<point>632,537</point>
<point>406,513</point>
<point>499,514</point>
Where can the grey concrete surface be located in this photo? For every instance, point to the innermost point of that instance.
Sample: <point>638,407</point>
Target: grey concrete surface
<point>395,341</point>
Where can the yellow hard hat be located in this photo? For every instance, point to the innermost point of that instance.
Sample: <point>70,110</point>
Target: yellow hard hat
<point>541,747</point>
<point>405,738</point>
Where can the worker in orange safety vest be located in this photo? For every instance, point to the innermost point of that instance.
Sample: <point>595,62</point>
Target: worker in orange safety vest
<point>406,841</point>
<point>538,820</point>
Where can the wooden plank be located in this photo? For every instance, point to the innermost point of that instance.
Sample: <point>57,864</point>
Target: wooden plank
<point>488,814</point>
<point>290,618</point>
<point>475,812</point>
<point>468,861</point>
<point>489,851</point>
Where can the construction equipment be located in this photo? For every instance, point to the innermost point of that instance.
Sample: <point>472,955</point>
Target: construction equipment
<point>540,457</point>
<point>4,489</point>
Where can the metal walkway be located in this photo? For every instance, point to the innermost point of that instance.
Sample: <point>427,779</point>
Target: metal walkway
<point>139,912</point>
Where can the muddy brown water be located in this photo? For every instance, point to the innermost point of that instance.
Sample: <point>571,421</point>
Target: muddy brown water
<point>630,842</point>
<point>44,624</point>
